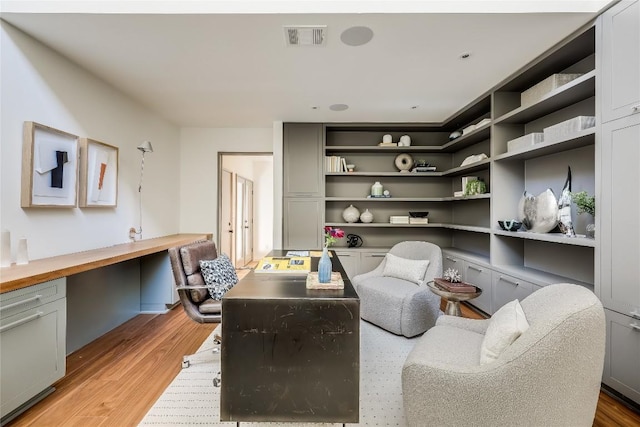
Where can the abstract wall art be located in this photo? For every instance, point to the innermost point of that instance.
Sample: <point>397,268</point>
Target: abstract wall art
<point>98,174</point>
<point>49,167</point>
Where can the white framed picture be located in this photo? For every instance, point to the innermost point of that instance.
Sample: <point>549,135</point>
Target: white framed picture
<point>49,167</point>
<point>98,174</point>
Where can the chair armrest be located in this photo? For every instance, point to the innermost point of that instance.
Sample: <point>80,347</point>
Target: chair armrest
<point>474,325</point>
<point>376,272</point>
<point>187,287</point>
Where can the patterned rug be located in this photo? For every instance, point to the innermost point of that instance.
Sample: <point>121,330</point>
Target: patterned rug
<point>191,399</point>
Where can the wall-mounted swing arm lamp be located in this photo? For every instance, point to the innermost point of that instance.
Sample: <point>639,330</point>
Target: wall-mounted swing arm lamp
<point>145,147</point>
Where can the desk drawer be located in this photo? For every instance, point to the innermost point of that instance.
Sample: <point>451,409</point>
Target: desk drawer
<point>20,300</point>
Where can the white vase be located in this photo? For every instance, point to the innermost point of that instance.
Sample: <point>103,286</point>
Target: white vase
<point>351,214</point>
<point>376,189</point>
<point>366,216</point>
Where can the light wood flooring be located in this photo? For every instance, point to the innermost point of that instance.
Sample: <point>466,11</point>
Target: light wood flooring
<point>114,380</point>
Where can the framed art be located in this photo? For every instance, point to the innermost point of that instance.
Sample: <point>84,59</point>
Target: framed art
<point>98,174</point>
<point>49,167</point>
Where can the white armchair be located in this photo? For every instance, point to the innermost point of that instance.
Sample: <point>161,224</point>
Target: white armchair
<point>549,376</point>
<point>403,307</point>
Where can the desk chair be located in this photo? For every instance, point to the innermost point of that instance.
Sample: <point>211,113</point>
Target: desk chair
<point>193,292</point>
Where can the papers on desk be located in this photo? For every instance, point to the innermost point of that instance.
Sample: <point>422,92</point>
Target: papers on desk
<point>297,253</point>
<point>280,265</point>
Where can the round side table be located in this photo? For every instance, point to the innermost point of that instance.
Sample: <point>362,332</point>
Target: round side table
<point>453,298</point>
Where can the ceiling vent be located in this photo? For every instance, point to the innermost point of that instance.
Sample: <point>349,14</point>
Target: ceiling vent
<point>305,35</point>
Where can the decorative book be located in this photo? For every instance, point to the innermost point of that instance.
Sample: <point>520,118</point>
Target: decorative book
<point>283,265</point>
<point>448,286</point>
<point>336,281</point>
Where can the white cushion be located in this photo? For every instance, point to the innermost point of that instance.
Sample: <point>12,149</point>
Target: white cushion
<point>412,270</point>
<point>505,326</point>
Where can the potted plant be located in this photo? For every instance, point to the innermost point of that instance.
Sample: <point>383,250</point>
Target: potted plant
<point>586,204</point>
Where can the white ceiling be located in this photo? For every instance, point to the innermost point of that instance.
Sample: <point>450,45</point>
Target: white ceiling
<point>233,69</point>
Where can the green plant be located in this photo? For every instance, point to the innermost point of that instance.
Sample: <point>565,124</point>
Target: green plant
<point>584,202</point>
<point>474,187</point>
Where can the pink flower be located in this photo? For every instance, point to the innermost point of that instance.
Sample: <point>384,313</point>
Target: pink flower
<point>331,235</point>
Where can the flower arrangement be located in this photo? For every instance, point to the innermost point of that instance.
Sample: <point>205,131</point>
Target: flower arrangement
<point>331,235</point>
<point>584,202</point>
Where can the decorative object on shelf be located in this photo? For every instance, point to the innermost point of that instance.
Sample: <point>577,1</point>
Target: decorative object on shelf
<point>366,216</point>
<point>351,168</point>
<point>510,225</point>
<point>404,162</point>
<point>22,254</point>
<point>377,189</point>
<point>475,186</point>
<point>331,235</point>
<point>538,213</point>
<point>525,141</point>
<point>566,129</point>
<point>538,91</point>
<point>454,135</point>
<point>416,214</point>
<point>422,166</point>
<point>452,275</point>
<point>564,208</point>
<point>351,214</point>
<point>586,204</point>
<point>483,122</point>
<point>49,167</point>
<point>386,193</point>
<point>468,129</point>
<point>5,248</point>
<point>405,141</point>
<point>473,159</point>
<point>387,139</point>
<point>354,241</point>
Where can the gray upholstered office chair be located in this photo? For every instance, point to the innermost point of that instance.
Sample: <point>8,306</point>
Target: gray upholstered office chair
<point>193,292</point>
<point>549,376</point>
<point>395,296</point>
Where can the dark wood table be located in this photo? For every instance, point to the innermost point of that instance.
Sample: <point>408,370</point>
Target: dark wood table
<point>290,354</point>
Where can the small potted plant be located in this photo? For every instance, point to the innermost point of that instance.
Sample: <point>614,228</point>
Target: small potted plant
<point>586,204</point>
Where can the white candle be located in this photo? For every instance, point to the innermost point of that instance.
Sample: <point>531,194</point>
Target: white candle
<point>22,256</point>
<point>5,248</point>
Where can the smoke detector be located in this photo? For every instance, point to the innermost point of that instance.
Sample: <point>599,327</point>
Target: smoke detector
<point>305,35</point>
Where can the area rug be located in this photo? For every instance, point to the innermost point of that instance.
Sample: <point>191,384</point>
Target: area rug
<point>191,399</point>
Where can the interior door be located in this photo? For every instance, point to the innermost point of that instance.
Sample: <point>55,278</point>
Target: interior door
<point>248,221</point>
<point>226,226</point>
<point>239,222</point>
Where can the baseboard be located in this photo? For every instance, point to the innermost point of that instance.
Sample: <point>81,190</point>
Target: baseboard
<point>26,405</point>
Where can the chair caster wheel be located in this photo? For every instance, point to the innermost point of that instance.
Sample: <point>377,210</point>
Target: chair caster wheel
<point>185,364</point>
<point>216,382</point>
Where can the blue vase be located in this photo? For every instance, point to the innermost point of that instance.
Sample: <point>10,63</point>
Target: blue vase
<point>324,267</point>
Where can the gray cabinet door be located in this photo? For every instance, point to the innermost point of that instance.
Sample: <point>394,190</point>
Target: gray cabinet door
<point>618,210</point>
<point>303,223</point>
<point>622,356</point>
<point>370,260</point>
<point>350,261</point>
<point>620,53</point>
<point>507,288</point>
<point>454,262</point>
<point>479,276</point>
<point>302,157</point>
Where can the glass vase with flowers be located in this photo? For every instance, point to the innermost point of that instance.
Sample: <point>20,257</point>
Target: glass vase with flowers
<point>331,236</point>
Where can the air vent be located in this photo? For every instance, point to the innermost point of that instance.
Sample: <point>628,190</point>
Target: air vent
<point>305,35</point>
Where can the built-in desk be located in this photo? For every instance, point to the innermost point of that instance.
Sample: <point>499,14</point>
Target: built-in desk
<point>53,306</point>
<point>290,353</point>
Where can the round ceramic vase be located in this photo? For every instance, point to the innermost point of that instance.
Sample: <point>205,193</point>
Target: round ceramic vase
<point>351,214</point>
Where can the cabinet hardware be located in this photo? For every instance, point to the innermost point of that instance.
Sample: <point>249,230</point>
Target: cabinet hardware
<point>504,279</point>
<point>377,255</point>
<point>635,326</point>
<point>24,301</point>
<point>452,259</point>
<point>635,313</point>
<point>21,321</point>
<point>635,108</point>
<point>473,267</point>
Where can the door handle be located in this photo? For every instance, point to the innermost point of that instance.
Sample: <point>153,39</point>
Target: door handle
<point>504,279</point>
<point>635,313</point>
<point>21,321</point>
<point>473,267</point>
<point>635,108</point>
<point>635,326</point>
<point>24,301</point>
<point>452,259</point>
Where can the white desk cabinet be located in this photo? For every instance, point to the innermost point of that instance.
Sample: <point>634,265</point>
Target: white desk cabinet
<point>32,343</point>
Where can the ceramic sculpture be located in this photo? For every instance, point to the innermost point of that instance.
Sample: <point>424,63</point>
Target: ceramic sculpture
<point>366,216</point>
<point>538,213</point>
<point>564,208</point>
<point>404,162</point>
<point>351,214</point>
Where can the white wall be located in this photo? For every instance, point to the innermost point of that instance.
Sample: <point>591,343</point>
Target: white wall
<point>39,85</point>
<point>199,148</point>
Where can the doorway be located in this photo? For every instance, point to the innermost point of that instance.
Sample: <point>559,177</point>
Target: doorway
<point>245,215</point>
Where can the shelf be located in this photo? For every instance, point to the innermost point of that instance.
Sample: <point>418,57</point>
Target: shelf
<point>432,225</point>
<point>460,170</point>
<point>378,149</point>
<point>473,137</point>
<point>580,139</point>
<point>407,199</point>
<point>539,277</point>
<point>576,90</point>
<point>548,237</point>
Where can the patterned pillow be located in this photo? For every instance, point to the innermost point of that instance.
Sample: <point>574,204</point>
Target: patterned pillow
<point>219,275</point>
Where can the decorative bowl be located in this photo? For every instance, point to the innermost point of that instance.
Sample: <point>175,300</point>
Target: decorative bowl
<point>510,225</point>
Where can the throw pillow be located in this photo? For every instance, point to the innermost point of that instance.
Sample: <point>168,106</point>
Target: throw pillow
<point>412,270</point>
<point>219,275</point>
<point>505,326</point>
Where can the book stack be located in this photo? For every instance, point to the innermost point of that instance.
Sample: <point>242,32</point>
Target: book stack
<point>388,144</point>
<point>335,164</point>
<point>458,287</point>
<point>427,168</point>
<point>399,219</point>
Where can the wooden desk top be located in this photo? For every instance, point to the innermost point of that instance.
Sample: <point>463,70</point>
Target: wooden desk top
<point>42,270</point>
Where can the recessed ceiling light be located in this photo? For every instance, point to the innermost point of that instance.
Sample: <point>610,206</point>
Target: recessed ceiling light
<point>338,107</point>
<point>314,107</point>
<point>356,36</point>
<point>465,55</point>
<point>414,107</point>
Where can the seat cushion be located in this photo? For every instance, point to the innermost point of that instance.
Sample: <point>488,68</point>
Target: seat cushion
<point>210,306</point>
<point>381,301</point>
<point>445,345</point>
